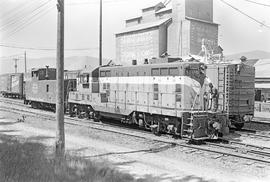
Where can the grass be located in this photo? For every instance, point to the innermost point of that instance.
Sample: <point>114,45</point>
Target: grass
<point>30,162</point>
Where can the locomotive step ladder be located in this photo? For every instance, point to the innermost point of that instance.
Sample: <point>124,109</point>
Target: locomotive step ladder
<point>194,121</point>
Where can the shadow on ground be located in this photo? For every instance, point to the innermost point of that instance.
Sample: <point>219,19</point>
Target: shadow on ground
<point>7,131</point>
<point>7,123</point>
<point>189,178</point>
<point>151,150</point>
<point>30,161</point>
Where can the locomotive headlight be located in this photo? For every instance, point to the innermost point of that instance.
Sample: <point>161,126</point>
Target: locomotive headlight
<point>248,118</point>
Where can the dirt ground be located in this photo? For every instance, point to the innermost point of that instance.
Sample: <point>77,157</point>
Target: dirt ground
<point>136,160</point>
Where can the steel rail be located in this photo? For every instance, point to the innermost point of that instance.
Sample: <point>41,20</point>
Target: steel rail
<point>152,138</point>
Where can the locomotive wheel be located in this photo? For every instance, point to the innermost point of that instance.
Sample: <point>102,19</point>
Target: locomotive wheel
<point>239,126</point>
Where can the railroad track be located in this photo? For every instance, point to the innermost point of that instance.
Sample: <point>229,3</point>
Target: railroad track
<point>233,149</point>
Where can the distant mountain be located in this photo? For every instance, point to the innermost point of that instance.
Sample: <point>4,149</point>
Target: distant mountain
<point>257,54</point>
<point>71,63</point>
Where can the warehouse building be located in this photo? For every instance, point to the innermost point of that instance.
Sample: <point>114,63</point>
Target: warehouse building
<point>177,29</point>
<point>262,80</point>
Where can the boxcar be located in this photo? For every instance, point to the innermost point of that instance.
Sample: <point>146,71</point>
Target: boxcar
<point>236,87</point>
<point>11,85</point>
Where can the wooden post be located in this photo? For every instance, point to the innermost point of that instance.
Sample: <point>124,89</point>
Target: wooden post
<point>60,135</point>
<point>25,68</point>
<point>100,34</point>
<point>16,65</point>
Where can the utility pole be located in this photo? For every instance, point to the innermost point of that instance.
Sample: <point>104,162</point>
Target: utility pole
<point>100,33</point>
<point>16,65</point>
<point>60,134</point>
<point>25,68</point>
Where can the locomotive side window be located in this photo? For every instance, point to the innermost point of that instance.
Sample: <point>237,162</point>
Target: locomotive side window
<point>47,88</point>
<point>108,73</point>
<point>102,73</point>
<point>178,91</point>
<point>155,71</point>
<point>173,71</point>
<point>155,92</point>
<point>164,71</point>
<point>178,88</point>
<point>155,87</point>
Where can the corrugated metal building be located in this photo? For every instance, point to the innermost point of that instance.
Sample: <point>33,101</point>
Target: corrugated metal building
<point>177,29</point>
<point>262,80</point>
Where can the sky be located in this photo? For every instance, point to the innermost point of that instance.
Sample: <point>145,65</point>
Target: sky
<point>19,27</point>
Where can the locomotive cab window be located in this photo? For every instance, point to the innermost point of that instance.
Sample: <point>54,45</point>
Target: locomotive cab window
<point>86,78</point>
<point>34,73</point>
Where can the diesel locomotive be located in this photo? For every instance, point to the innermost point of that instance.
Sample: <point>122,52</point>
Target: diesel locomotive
<point>166,97</point>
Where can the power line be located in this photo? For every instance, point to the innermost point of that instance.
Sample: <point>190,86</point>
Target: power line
<point>11,56</point>
<point>19,12</point>
<point>29,21</point>
<point>262,4</point>
<point>24,17</point>
<point>168,2</point>
<point>46,49</point>
<point>261,23</point>
<point>96,2</point>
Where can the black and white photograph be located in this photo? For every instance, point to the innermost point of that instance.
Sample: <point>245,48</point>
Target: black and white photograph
<point>134,90</point>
